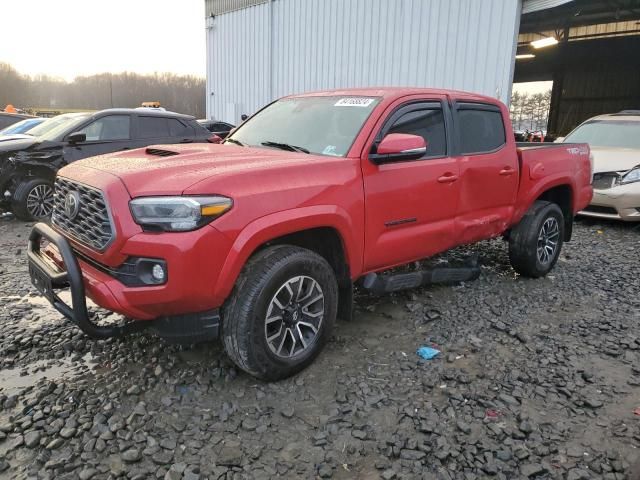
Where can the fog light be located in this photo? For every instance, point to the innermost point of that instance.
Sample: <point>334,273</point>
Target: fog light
<point>157,272</point>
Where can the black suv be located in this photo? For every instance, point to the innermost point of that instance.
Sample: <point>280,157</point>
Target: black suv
<point>28,165</point>
<point>217,127</point>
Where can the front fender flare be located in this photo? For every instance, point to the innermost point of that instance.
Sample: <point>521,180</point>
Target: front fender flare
<point>273,226</point>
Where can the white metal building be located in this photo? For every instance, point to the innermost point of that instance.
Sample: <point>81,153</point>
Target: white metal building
<point>259,50</point>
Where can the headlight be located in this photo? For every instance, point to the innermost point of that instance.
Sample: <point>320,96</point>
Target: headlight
<point>631,176</point>
<point>177,214</point>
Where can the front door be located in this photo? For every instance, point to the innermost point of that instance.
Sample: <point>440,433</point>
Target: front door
<point>107,134</point>
<point>410,206</point>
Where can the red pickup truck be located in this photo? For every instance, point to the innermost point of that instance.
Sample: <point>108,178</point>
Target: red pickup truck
<point>260,239</point>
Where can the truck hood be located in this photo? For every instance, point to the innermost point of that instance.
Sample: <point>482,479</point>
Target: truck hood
<point>614,159</point>
<point>172,169</point>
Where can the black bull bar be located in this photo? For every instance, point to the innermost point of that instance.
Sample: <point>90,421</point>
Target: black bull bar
<point>47,278</point>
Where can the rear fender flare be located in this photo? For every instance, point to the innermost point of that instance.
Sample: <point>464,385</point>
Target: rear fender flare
<point>273,226</point>
<point>524,204</point>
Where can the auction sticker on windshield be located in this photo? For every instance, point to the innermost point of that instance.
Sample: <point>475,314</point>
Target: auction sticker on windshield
<point>354,102</point>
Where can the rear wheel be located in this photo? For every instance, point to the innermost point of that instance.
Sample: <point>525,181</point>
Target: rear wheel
<point>281,312</point>
<point>33,199</point>
<point>535,243</point>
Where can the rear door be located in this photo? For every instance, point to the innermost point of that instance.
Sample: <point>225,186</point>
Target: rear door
<point>410,206</point>
<point>107,134</point>
<point>489,172</point>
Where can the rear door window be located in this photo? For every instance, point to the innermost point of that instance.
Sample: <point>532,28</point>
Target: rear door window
<point>481,128</point>
<point>179,129</point>
<point>153,127</point>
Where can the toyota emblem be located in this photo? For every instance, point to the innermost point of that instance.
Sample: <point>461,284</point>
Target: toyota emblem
<point>72,204</point>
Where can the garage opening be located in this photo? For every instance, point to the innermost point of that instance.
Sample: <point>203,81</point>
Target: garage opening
<point>588,51</point>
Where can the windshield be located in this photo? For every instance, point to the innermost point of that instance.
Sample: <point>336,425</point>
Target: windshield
<point>607,133</point>
<point>323,125</point>
<point>50,129</point>
<point>21,127</point>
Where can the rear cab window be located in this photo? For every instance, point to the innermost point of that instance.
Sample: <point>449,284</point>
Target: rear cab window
<point>152,127</point>
<point>480,128</point>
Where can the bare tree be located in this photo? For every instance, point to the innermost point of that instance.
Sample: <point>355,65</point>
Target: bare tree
<point>530,112</point>
<point>179,93</point>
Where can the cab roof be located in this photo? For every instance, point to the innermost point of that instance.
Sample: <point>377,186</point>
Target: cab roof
<point>397,92</point>
<point>147,112</point>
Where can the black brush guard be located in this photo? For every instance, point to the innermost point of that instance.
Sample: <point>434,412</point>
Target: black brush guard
<point>48,278</point>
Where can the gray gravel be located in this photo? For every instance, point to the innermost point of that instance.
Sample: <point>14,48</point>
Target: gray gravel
<point>537,379</point>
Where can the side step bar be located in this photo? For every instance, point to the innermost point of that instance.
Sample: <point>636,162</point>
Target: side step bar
<point>379,284</point>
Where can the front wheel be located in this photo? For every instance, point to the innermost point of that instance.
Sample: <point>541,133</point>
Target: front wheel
<point>281,312</point>
<point>33,199</point>
<point>535,243</point>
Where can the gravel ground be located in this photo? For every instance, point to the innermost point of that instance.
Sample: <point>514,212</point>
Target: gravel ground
<point>537,378</point>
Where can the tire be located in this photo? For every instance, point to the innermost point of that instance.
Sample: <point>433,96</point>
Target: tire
<point>259,295</point>
<point>33,199</point>
<point>530,244</point>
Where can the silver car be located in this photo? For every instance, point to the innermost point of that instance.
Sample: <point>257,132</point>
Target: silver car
<point>615,145</point>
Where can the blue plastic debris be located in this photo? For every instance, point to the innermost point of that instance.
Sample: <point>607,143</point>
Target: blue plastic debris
<point>428,353</point>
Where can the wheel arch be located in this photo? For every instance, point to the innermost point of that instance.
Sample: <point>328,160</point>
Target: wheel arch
<point>326,230</point>
<point>562,195</point>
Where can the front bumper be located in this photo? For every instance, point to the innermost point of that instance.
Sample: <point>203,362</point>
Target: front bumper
<point>48,277</point>
<point>618,203</point>
<point>185,318</point>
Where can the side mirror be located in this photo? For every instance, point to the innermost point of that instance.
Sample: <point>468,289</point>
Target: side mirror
<point>244,116</point>
<point>214,139</point>
<point>77,137</point>
<point>399,146</point>
<point>559,140</point>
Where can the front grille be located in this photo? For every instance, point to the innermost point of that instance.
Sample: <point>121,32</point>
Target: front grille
<point>603,181</point>
<point>601,209</point>
<point>91,224</point>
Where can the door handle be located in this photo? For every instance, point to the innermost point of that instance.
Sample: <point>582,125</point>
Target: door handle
<point>507,171</point>
<point>448,178</point>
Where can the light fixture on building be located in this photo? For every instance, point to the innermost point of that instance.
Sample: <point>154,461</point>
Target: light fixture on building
<point>524,56</point>
<point>544,42</point>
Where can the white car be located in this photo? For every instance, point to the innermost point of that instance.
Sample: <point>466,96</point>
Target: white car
<point>615,145</point>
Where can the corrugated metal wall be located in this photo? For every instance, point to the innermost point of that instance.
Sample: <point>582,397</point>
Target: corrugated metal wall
<point>289,46</point>
<point>217,7</point>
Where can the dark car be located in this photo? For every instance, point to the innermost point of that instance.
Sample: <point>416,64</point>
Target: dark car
<point>217,127</point>
<point>28,164</point>
<point>7,119</point>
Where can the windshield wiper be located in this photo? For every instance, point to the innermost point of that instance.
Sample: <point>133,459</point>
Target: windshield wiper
<point>233,140</point>
<point>285,146</point>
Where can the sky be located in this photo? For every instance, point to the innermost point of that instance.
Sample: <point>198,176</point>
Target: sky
<point>532,87</point>
<point>67,38</point>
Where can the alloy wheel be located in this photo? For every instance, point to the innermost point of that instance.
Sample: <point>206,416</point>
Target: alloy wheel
<point>294,317</point>
<point>40,201</point>
<point>548,241</point>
